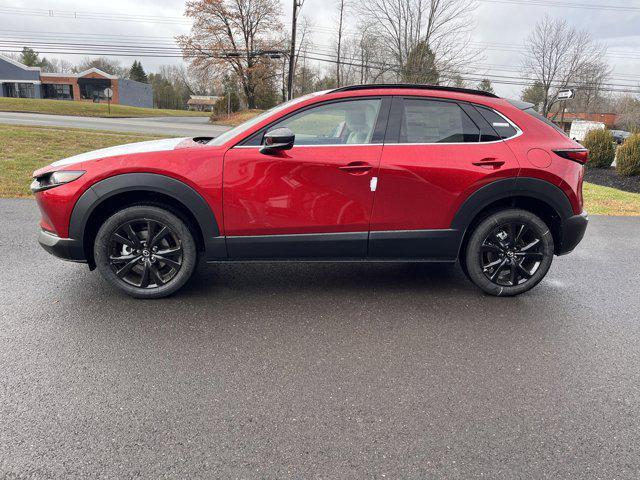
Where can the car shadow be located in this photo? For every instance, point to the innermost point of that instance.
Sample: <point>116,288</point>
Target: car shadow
<point>351,277</point>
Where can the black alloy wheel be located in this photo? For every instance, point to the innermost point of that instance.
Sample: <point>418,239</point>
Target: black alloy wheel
<point>509,252</point>
<point>145,251</point>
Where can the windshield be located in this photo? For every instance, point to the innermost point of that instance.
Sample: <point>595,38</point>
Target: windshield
<point>229,134</point>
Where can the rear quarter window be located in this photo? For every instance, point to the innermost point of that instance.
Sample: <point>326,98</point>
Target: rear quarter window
<point>501,125</point>
<point>536,115</point>
<point>530,110</point>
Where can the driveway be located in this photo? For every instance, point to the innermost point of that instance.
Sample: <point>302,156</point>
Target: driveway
<point>321,370</point>
<point>170,126</point>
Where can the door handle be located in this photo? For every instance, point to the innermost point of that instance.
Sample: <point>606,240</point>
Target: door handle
<point>489,162</point>
<point>356,168</point>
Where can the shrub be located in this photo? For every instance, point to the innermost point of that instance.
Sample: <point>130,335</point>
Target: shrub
<point>602,149</point>
<point>628,160</point>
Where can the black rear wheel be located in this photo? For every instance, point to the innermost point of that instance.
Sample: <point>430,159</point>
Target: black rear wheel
<point>146,251</point>
<point>509,252</point>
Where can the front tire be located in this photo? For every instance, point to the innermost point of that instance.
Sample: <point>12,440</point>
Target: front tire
<point>509,252</point>
<point>145,251</point>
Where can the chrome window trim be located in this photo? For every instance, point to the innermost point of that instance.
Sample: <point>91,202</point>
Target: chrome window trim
<point>320,145</point>
<point>517,129</point>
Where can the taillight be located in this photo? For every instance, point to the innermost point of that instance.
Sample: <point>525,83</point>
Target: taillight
<point>577,155</point>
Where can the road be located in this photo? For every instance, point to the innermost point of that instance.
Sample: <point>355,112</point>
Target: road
<point>170,126</point>
<point>321,370</point>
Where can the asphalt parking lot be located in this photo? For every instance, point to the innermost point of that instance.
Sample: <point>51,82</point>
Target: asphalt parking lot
<point>321,370</point>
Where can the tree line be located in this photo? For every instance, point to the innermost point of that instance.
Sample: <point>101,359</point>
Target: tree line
<point>404,41</point>
<point>239,49</point>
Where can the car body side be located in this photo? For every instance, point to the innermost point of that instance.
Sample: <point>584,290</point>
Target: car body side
<point>191,179</point>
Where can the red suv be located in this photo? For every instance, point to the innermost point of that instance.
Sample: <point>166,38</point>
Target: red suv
<point>366,172</point>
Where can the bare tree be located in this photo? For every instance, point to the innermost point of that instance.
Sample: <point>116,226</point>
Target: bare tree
<point>370,55</point>
<point>107,65</point>
<point>628,108</point>
<point>231,36</point>
<point>304,45</point>
<point>441,26</point>
<point>559,56</point>
<point>590,94</point>
<point>57,65</point>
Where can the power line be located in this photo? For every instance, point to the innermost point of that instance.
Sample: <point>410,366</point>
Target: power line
<point>554,3</point>
<point>466,76</point>
<point>174,51</point>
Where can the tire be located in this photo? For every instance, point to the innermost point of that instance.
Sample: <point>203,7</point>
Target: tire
<point>142,269</point>
<point>509,252</point>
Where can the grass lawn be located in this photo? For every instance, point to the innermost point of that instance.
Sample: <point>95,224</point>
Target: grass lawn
<point>600,200</point>
<point>87,109</point>
<point>25,149</point>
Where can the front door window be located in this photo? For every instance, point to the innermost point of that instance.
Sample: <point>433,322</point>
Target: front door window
<point>340,123</point>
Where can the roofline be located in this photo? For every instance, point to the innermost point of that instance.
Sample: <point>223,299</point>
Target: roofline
<point>98,71</point>
<point>420,86</point>
<point>19,65</point>
<point>80,74</point>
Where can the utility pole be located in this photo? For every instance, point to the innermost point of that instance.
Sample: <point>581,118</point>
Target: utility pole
<point>342,2</point>
<point>292,52</point>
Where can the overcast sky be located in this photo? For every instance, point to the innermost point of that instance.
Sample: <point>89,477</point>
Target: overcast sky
<point>496,23</point>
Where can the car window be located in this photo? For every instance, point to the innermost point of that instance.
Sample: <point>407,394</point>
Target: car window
<point>498,122</point>
<point>434,121</point>
<point>337,123</point>
<point>229,134</point>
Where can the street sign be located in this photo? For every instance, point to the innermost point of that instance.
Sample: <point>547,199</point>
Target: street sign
<point>108,92</point>
<point>566,94</point>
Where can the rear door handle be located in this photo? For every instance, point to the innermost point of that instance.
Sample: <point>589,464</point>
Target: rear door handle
<point>356,168</point>
<point>489,162</point>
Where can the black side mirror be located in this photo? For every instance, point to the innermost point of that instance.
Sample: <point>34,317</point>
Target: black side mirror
<point>278,139</point>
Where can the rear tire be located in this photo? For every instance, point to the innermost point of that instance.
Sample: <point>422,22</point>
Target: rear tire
<point>509,252</point>
<point>145,251</point>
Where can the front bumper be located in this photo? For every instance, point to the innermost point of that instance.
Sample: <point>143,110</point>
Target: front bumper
<point>65,248</point>
<point>573,229</point>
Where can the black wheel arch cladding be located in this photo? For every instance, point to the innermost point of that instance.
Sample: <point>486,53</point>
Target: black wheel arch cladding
<point>508,188</point>
<point>105,189</point>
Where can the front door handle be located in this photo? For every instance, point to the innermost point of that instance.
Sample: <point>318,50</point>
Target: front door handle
<point>356,168</point>
<point>489,162</point>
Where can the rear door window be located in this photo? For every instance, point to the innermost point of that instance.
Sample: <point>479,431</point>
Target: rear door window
<point>435,121</point>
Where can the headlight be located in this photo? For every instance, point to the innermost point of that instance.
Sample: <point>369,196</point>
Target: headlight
<point>53,179</point>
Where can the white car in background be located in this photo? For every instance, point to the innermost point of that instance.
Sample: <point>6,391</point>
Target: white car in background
<point>579,129</point>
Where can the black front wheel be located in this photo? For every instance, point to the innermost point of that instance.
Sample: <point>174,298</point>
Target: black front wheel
<point>509,252</point>
<point>145,251</point>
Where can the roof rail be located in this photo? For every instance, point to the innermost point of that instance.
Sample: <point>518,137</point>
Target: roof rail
<point>420,86</point>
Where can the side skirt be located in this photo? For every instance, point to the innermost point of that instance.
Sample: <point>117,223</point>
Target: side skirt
<point>382,246</point>
<point>438,245</point>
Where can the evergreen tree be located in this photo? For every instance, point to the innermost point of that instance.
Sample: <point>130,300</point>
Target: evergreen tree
<point>29,57</point>
<point>137,73</point>
<point>534,94</point>
<point>421,65</point>
<point>485,86</point>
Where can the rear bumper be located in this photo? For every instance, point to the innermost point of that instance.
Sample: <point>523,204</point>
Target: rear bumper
<point>65,248</point>
<point>573,229</point>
